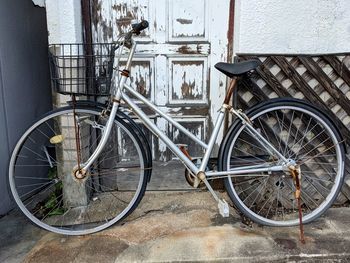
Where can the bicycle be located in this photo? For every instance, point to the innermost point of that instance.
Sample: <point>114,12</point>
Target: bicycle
<point>81,168</point>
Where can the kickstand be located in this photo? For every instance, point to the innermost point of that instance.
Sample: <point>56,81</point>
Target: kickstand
<point>296,177</point>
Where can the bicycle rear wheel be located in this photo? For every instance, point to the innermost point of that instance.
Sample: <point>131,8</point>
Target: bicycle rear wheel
<point>45,187</point>
<point>303,135</point>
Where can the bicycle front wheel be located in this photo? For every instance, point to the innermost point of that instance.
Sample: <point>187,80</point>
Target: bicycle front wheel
<point>48,192</point>
<point>301,134</point>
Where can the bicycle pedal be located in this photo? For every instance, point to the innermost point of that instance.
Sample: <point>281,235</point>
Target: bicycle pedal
<point>223,208</point>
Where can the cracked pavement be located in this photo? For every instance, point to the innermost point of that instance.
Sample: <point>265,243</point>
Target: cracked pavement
<point>177,226</point>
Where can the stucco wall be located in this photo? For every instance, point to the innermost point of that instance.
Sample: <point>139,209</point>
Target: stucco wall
<point>64,21</point>
<point>292,26</point>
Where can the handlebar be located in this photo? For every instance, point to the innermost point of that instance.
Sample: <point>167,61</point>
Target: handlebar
<point>137,28</point>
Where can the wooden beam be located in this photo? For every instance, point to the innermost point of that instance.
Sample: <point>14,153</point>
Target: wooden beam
<point>254,89</point>
<point>270,79</point>
<point>339,67</point>
<point>309,93</point>
<point>326,82</point>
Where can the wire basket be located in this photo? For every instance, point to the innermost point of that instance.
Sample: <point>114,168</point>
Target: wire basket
<point>82,69</point>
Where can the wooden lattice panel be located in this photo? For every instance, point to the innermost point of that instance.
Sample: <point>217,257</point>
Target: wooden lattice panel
<point>321,80</point>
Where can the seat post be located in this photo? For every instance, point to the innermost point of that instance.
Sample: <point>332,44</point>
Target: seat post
<point>230,90</point>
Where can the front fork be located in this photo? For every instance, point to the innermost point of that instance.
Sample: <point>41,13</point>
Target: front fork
<point>105,135</point>
<point>81,169</point>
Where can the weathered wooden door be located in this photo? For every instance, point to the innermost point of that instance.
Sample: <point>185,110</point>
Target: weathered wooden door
<point>175,58</point>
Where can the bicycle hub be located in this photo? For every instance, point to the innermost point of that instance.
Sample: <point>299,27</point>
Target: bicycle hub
<point>79,174</point>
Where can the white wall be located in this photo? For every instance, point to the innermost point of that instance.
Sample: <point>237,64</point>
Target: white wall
<point>64,21</point>
<point>292,26</point>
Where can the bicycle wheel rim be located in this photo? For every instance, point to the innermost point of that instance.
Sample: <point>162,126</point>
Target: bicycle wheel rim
<point>337,181</point>
<point>61,230</point>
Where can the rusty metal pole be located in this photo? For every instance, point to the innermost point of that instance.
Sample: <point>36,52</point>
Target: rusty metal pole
<point>86,21</point>
<point>87,38</point>
<point>230,33</point>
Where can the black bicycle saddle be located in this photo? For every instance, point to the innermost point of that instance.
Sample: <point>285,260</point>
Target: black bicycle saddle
<point>236,69</point>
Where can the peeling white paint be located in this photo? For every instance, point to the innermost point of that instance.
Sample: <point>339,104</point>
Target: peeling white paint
<point>113,17</point>
<point>163,126</point>
<point>218,27</point>
<point>188,20</point>
<point>174,49</point>
<point>187,82</point>
<point>142,77</point>
<point>292,26</point>
<point>195,125</point>
<point>179,31</point>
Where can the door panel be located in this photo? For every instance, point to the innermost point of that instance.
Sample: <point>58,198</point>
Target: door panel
<point>188,83</point>
<point>110,18</point>
<point>142,76</point>
<point>174,60</point>
<point>188,20</point>
<point>195,125</point>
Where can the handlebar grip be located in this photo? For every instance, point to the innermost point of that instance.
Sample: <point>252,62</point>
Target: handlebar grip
<point>137,28</point>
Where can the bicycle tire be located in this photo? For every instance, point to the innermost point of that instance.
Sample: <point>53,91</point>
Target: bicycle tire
<point>105,198</point>
<point>275,117</point>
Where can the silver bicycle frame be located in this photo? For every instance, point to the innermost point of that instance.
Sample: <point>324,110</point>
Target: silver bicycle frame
<point>152,127</point>
<point>107,130</point>
<point>119,95</point>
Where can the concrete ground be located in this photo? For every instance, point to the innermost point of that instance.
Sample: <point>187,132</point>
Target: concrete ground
<point>181,225</point>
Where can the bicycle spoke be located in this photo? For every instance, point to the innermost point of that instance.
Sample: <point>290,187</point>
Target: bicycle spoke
<point>312,157</point>
<point>290,152</point>
<point>35,189</point>
<point>250,187</point>
<point>250,144</point>
<point>300,135</point>
<point>263,187</point>
<point>56,206</point>
<point>318,179</point>
<point>74,205</point>
<point>289,131</point>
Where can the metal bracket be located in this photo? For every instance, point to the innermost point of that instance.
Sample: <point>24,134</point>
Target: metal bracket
<point>95,125</point>
<point>241,114</point>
